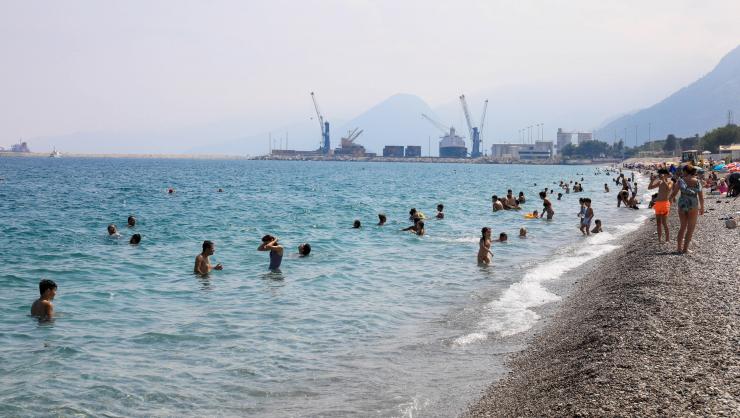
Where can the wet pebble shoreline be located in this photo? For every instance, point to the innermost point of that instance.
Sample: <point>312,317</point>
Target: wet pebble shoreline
<point>647,332</point>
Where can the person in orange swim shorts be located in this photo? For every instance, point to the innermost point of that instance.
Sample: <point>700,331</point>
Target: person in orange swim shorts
<point>662,204</point>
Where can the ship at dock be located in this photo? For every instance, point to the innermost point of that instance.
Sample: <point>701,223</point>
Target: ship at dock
<point>452,146</point>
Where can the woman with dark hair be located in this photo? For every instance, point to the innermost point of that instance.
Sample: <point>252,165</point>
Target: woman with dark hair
<point>484,249</point>
<point>690,205</point>
<point>546,206</point>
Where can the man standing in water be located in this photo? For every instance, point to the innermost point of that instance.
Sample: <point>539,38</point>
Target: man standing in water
<point>202,262</point>
<point>270,243</point>
<point>662,205</point>
<point>42,308</point>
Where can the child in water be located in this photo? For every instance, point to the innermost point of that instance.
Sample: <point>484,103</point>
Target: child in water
<point>597,228</point>
<point>42,308</point>
<point>484,247</point>
<point>502,237</point>
<point>588,214</point>
<point>522,232</point>
<point>440,211</point>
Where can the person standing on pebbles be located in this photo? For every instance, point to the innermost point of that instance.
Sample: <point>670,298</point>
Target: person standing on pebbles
<point>662,205</point>
<point>690,205</point>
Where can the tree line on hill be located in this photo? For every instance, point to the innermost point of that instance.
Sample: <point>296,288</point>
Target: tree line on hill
<point>726,135</point>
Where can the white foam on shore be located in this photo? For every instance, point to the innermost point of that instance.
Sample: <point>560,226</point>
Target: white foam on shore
<point>512,312</point>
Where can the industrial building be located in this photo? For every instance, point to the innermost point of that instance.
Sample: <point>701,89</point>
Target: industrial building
<point>413,151</point>
<point>541,150</point>
<point>509,152</point>
<point>566,138</point>
<point>395,151</point>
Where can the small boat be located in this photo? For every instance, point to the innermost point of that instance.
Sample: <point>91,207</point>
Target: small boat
<point>55,154</point>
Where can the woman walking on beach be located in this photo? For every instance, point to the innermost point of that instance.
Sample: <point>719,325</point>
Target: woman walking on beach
<point>546,206</point>
<point>690,205</point>
<point>484,250</point>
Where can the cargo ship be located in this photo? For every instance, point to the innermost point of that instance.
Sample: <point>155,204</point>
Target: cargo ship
<point>452,146</point>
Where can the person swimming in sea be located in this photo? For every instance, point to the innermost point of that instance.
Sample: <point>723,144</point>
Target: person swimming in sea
<point>440,211</point>
<point>381,219</point>
<point>304,249</point>
<point>270,243</point>
<point>43,308</point>
<point>485,256</point>
<point>522,232</point>
<point>202,260</point>
<point>521,199</point>
<point>356,224</point>
<point>502,237</point>
<point>135,239</point>
<point>496,203</point>
<point>417,228</point>
<point>131,221</point>
<point>113,231</point>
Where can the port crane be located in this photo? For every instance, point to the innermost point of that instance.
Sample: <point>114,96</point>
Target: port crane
<point>475,131</point>
<point>445,130</point>
<point>351,136</point>
<point>326,147</point>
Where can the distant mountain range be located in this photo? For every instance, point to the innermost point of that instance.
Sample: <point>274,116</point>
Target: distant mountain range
<point>695,109</point>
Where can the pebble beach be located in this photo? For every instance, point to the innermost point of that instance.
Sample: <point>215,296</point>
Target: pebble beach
<point>643,332</point>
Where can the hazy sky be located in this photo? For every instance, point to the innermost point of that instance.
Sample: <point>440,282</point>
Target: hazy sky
<point>80,66</point>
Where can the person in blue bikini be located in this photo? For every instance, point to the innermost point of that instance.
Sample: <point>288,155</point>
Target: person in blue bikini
<point>690,205</point>
<point>270,243</point>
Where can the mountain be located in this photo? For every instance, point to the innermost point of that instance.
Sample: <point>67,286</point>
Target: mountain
<point>395,121</point>
<point>695,109</point>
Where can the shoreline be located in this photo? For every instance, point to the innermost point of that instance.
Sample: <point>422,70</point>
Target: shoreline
<point>425,160</point>
<point>634,334</point>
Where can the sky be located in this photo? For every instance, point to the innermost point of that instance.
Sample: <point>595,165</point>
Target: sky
<point>153,66</point>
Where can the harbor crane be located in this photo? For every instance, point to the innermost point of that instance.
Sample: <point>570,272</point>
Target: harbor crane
<point>351,136</point>
<point>439,126</point>
<point>475,131</point>
<point>326,147</point>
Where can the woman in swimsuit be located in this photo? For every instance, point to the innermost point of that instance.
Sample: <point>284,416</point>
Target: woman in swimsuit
<point>484,250</point>
<point>690,205</point>
<point>546,206</point>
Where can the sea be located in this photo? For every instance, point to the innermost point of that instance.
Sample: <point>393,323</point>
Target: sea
<point>375,322</point>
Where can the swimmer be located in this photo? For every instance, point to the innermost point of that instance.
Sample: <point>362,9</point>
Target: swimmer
<point>420,228</point>
<point>42,308</point>
<point>381,219</point>
<point>496,203</point>
<point>597,228</point>
<point>510,201</point>
<point>220,190</point>
<point>170,190</point>
<point>202,262</point>
<point>606,188</point>
<point>502,237</point>
<point>521,198</point>
<point>412,214</point>
<point>131,221</point>
<point>304,249</point>
<point>356,224</point>
<point>113,231</point>
<point>415,227</point>
<point>440,211</point>
<point>522,232</point>
<point>135,239</point>
<point>270,243</point>
<point>560,196</point>
<point>484,247</point>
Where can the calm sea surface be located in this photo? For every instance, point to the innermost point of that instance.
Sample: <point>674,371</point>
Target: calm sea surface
<point>375,322</point>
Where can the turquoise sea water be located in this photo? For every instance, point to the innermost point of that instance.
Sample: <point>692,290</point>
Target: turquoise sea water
<point>375,322</point>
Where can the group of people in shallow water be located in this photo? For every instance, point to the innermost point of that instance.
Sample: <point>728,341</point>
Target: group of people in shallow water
<point>667,190</point>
